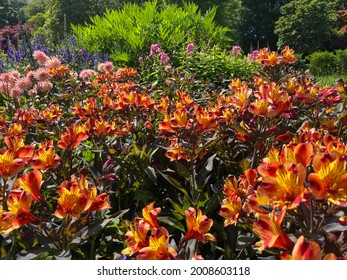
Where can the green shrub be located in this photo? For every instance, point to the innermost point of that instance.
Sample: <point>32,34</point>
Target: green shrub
<point>219,65</point>
<point>128,33</point>
<point>341,61</point>
<point>322,63</point>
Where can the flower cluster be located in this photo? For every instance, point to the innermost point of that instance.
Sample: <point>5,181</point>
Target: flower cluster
<point>155,246</point>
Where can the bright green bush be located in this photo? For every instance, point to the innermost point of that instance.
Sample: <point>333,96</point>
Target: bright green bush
<point>322,63</point>
<point>128,33</point>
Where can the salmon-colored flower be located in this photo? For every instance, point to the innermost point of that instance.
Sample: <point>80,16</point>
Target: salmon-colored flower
<point>158,248</point>
<point>31,182</point>
<point>329,182</point>
<point>45,157</point>
<point>198,225</point>
<point>288,55</point>
<point>75,135</point>
<point>268,228</point>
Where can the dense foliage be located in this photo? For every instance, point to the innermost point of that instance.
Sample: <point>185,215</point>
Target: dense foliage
<point>128,33</point>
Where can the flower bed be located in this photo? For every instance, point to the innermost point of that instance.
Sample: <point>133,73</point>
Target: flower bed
<point>94,165</point>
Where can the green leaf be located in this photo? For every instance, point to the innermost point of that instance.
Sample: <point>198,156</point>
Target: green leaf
<point>174,183</point>
<point>172,222</point>
<point>182,170</point>
<point>150,171</point>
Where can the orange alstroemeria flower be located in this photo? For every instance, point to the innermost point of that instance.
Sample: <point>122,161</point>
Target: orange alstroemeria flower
<point>72,200</point>
<point>286,186</point>
<point>180,119</point>
<point>18,204</point>
<point>158,248</point>
<point>184,100</point>
<point>31,182</point>
<point>77,196</point>
<point>9,165</point>
<point>206,119</point>
<point>6,219</point>
<point>329,182</point>
<point>75,135</point>
<point>87,109</point>
<point>150,215</point>
<point>268,228</point>
<point>306,250</point>
<point>231,209</point>
<point>51,113</point>
<point>176,152</point>
<point>16,129</point>
<point>20,150</point>
<point>45,157</point>
<point>136,238</point>
<point>288,55</point>
<point>198,225</point>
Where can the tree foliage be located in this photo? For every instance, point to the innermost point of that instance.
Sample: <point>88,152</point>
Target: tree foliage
<point>307,25</point>
<point>10,11</point>
<point>256,27</point>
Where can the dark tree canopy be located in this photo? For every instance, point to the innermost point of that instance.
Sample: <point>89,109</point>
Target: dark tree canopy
<point>307,25</point>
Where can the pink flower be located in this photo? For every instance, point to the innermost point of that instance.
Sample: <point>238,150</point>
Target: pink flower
<point>53,62</point>
<point>106,67</point>
<point>15,74</point>
<point>42,74</point>
<point>164,58</point>
<point>253,56</point>
<point>40,57</point>
<point>23,83</point>
<point>155,49</point>
<point>6,77</point>
<point>236,51</point>
<point>30,75</point>
<point>190,48</point>
<point>45,86</point>
<point>86,74</point>
<point>16,92</point>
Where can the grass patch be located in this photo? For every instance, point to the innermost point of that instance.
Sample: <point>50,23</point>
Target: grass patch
<point>329,80</point>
